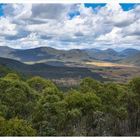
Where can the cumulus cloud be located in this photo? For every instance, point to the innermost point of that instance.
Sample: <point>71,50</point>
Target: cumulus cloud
<point>6,27</point>
<point>50,11</point>
<point>18,11</point>
<point>34,25</point>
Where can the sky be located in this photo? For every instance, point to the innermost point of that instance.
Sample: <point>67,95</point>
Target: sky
<point>70,26</point>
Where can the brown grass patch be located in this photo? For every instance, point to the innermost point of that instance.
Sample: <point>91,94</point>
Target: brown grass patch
<point>108,64</point>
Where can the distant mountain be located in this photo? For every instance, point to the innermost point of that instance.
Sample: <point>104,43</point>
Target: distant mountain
<point>36,54</point>
<point>104,55</point>
<point>57,57</point>
<point>42,53</point>
<point>132,59</point>
<point>129,52</point>
<point>112,55</point>
<point>6,52</point>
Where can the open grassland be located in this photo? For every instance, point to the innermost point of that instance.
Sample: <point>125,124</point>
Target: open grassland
<point>114,71</point>
<point>107,64</point>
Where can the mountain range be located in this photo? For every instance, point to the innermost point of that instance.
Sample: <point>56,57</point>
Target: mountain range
<point>114,56</point>
<point>53,56</point>
<point>42,53</point>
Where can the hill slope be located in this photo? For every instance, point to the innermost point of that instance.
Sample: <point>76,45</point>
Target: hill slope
<point>128,52</point>
<point>132,59</point>
<point>51,72</point>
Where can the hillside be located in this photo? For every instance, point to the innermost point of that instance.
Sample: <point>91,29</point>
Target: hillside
<point>51,72</point>
<point>4,70</point>
<point>104,55</point>
<point>128,52</point>
<point>42,54</point>
<point>132,59</point>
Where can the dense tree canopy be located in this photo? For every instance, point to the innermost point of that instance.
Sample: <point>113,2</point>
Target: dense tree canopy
<point>15,127</point>
<point>16,98</point>
<point>38,107</point>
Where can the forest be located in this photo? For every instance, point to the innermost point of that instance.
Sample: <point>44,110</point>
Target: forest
<point>37,107</point>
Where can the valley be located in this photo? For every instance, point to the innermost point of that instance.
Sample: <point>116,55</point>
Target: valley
<point>67,67</point>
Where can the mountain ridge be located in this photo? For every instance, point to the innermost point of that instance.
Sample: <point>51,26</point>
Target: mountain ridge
<point>49,54</point>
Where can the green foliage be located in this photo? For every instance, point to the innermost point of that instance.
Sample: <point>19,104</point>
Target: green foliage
<point>4,70</point>
<point>135,85</point>
<point>84,102</point>
<point>12,76</point>
<point>39,84</point>
<point>17,98</point>
<point>49,115</point>
<point>89,84</point>
<point>38,107</point>
<point>15,127</point>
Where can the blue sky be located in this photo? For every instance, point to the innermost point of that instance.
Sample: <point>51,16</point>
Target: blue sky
<point>1,10</point>
<point>125,6</point>
<point>70,26</point>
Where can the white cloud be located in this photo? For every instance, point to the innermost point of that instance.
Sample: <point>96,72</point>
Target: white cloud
<point>114,36</point>
<point>7,28</point>
<point>50,11</point>
<point>18,11</point>
<point>28,26</point>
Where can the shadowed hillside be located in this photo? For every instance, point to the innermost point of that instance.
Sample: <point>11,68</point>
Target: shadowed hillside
<point>51,72</point>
